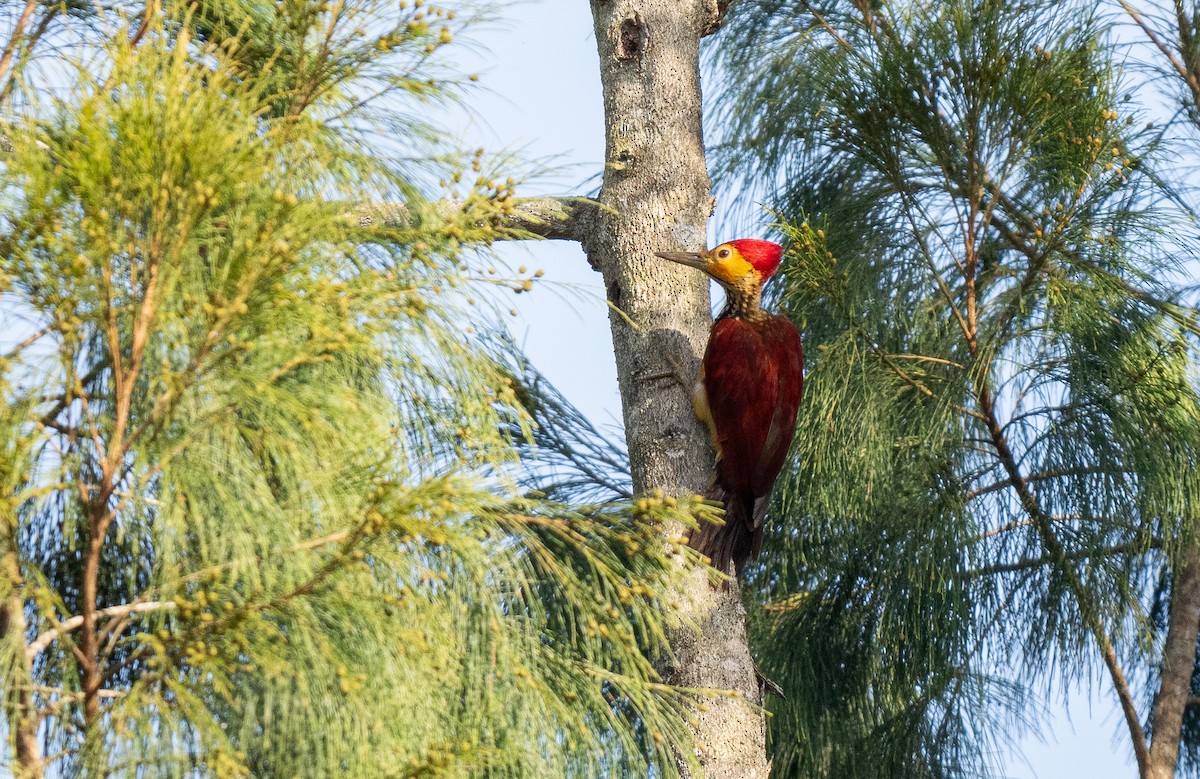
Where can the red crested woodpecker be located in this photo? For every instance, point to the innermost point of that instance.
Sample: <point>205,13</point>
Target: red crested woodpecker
<point>747,393</point>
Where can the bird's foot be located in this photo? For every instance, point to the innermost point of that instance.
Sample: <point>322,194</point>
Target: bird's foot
<point>676,374</point>
<point>767,685</point>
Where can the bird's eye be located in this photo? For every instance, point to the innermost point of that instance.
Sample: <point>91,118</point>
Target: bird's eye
<point>723,253</point>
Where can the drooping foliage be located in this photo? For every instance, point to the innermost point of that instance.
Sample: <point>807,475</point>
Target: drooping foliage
<point>995,464</point>
<point>257,518</point>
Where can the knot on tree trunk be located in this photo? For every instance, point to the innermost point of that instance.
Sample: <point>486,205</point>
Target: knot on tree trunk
<point>631,38</point>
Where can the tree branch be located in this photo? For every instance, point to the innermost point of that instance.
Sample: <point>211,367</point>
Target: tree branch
<point>1062,560</point>
<point>837,36</point>
<point>21,716</point>
<point>551,218</point>
<point>1179,660</point>
<point>6,57</point>
<point>44,640</point>
<point>1031,478</point>
<point>1025,564</point>
<point>1167,52</point>
<point>1020,523</point>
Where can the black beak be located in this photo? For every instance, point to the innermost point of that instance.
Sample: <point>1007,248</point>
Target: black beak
<point>691,259</point>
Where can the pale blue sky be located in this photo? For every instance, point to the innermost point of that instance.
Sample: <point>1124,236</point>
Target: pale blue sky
<point>542,98</point>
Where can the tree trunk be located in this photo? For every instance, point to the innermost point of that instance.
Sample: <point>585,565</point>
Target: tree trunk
<point>27,755</point>
<point>1179,660</point>
<point>656,196</point>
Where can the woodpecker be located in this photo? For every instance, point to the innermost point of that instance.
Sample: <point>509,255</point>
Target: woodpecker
<point>747,394</point>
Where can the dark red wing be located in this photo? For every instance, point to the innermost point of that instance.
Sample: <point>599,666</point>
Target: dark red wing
<point>753,373</point>
<point>782,343</point>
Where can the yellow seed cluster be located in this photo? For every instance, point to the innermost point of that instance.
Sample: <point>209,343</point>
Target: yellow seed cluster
<point>419,29</point>
<point>349,683</point>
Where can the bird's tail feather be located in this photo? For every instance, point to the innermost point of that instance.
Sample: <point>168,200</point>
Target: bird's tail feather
<point>737,539</point>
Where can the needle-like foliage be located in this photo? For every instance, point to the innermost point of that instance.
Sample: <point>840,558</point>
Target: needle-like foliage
<point>250,517</point>
<point>566,458</point>
<point>997,451</point>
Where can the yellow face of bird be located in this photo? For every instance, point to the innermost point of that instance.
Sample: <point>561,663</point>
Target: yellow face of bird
<point>727,265</point>
<point>724,263</point>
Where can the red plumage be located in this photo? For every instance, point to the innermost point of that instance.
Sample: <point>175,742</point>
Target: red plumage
<point>753,380</point>
<point>764,256</point>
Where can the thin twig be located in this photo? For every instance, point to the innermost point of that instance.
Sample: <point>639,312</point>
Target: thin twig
<point>1054,473</point>
<point>845,44</point>
<point>29,341</point>
<point>13,42</point>
<point>144,27</point>
<point>925,358</point>
<point>1037,562</point>
<point>886,359</point>
<point>35,647</point>
<point>48,14</point>
<point>1017,524</point>
<point>1159,44</point>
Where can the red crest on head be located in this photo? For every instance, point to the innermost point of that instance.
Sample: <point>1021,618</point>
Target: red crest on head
<point>763,255</point>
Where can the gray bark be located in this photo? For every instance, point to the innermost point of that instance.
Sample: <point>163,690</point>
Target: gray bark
<point>656,196</point>
<point>1179,659</point>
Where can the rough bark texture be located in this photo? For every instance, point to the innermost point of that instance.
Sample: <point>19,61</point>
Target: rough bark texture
<point>1179,660</point>
<point>656,196</point>
<point>730,731</point>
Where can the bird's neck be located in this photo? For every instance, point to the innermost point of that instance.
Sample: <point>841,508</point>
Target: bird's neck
<point>743,300</point>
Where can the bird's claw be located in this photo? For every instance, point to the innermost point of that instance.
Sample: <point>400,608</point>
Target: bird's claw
<point>767,685</point>
<point>676,374</point>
